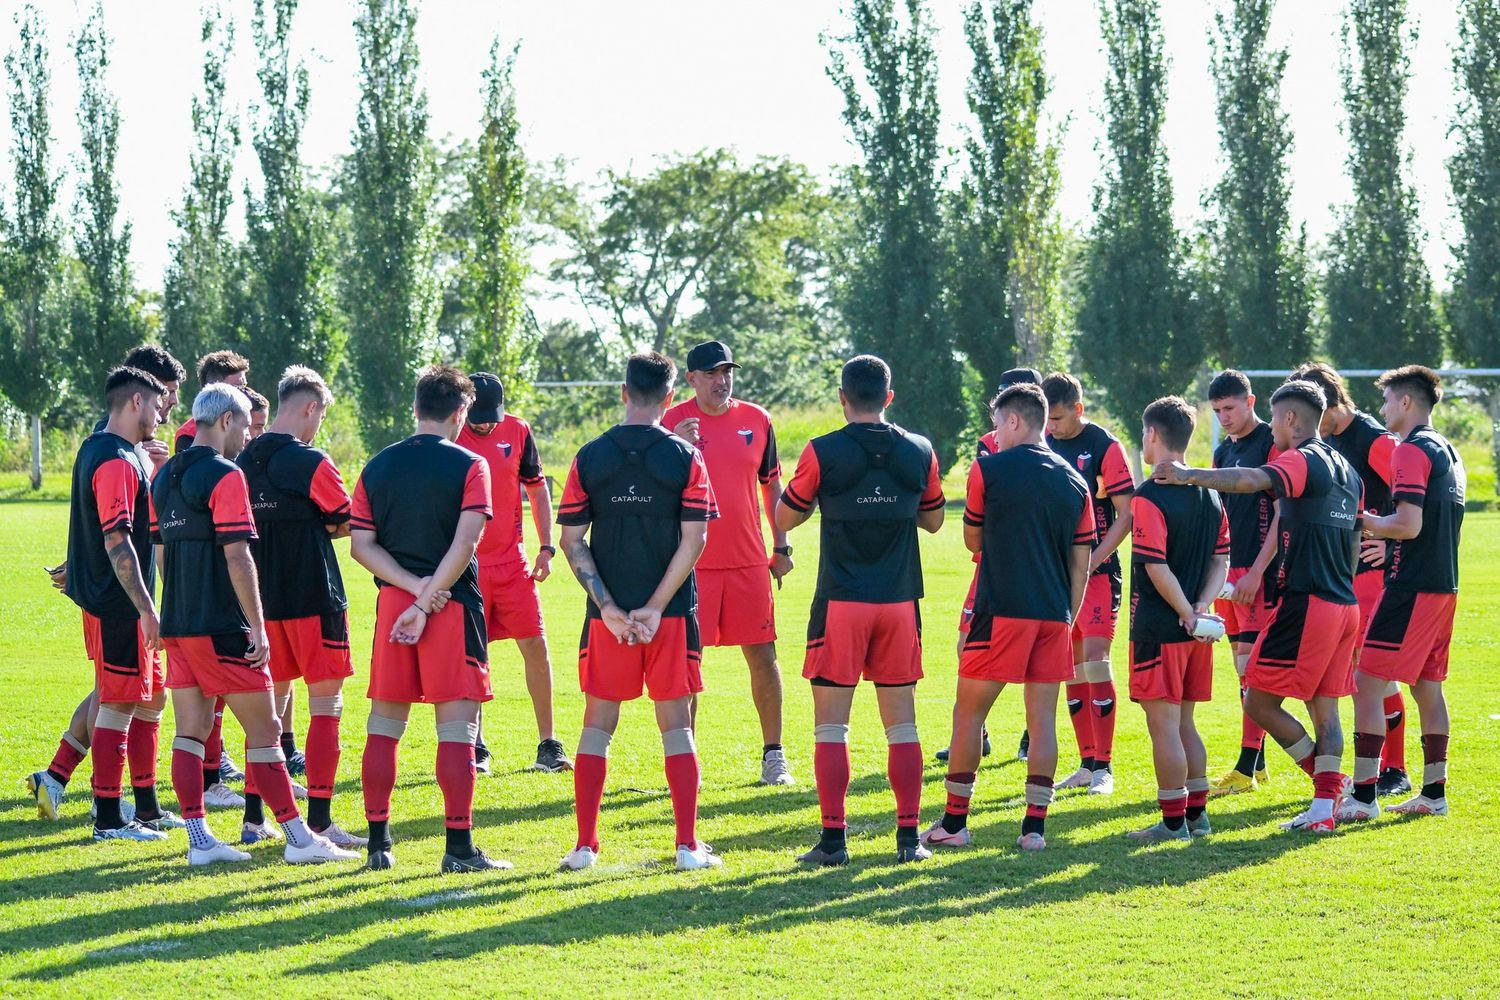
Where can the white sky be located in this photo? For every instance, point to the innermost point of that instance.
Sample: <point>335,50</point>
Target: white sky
<point>617,84</point>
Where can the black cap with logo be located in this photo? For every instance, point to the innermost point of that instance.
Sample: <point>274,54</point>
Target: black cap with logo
<point>489,397</point>
<point>708,356</point>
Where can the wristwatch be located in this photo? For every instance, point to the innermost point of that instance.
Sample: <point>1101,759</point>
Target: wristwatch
<point>547,549</point>
<point>783,550</point>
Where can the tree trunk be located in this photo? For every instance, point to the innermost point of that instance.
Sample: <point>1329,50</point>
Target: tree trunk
<point>1492,406</point>
<point>36,451</point>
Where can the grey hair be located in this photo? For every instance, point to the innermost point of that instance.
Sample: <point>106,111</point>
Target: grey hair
<point>217,399</point>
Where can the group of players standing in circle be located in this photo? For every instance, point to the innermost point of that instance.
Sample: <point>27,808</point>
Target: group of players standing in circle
<point>1327,543</point>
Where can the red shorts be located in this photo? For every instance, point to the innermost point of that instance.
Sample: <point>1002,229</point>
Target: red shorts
<point>668,667</point>
<point>967,614</point>
<point>735,606</point>
<point>1367,590</point>
<point>124,669</point>
<point>1101,607</point>
<point>214,664</point>
<point>1306,650</point>
<point>1243,622</point>
<point>1409,637</point>
<point>1171,671</point>
<point>849,640</point>
<point>1018,651</point>
<point>448,663</point>
<point>511,607</point>
<point>314,648</point>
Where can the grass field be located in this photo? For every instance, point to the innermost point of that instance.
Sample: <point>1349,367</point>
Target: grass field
<point>1396,908</point>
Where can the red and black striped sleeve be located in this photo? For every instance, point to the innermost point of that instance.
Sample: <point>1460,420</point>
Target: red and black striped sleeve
<point>1148,532</point>
<point>932,497</point>
<point>1288,472</point>
<point>802,492</point>
<point>974,498</point>
<point>1410,470</point>
<point>328,493</point>
<point>1221,544</point>
<point>531,460</point>
<point>477,488</point>
<point>1382,455</point>
<point>698,503</point>
<point>361,517</point>
<point>770,461</point>
<point>229,504</point>
<point>115,484</point>
<point>1114,471</point>
<point>574,509</point>
<point>1085,533</point>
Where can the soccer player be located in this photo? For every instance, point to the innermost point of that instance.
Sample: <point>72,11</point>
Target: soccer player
<point>1306,649</point>
<point>634,520</point>
<point>260,412</point>
<point>300,506</point>
<point>1412,626</point>
<point>419,543</point>
<point>512,609</point>
<point>214,629</point>
<point>1100,459</point>
<point>50,785</point>
<point>1368,447</point>
<point>1179,551</point>
<point>735,607</point>
<point>218,366</point>
<point>1029,515</point>
<point>1247,444</point>
<point>875,485</point>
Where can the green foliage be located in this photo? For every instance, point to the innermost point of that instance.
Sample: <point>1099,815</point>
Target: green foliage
<point>198,298</point>
<point>891,293</point>
<point>1139,336</point>
<point>1257,264</point>
<point>1378,290</point>
<point>388,287</point>
<point>1005,280</point>
<point>1474,169</point>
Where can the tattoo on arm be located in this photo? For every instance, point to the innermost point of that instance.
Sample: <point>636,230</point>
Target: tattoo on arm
<point>128,571</point>
<point>1231,480</point>
<point>581,559</point>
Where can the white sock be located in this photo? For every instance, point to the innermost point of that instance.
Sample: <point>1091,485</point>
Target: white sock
<point>1320,809</point>
<point>199,835</point>
<point>296,832</point>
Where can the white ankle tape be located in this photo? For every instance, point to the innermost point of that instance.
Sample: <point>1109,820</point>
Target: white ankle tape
<point>264,755</point>
<point>1197,784</point>
<point>963,789</point>
<point>1096,671</point>
<point>1436,771</point>
<point>1301,749</point>
<point>145,714</point>
<point>1171,794</point>
<point>678,741</point>
<point>188,746</point>
<point>457,731</point>
<point>331,704</point>
<point>831,732</point>
<point>1392,688</point>
<point>1366,768</point>
<point>594,742</point>
<point>108,718</point>
<point>75,743</point>
<point>1038,795</point>
<point>384,725</point>
<point>902,732</point>
<point>1323,763</point>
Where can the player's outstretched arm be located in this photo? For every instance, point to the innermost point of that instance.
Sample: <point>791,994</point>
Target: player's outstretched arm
<point>127,567</point>
<point>247,589</point>
<point>1404,524</point>
<point>1223,480</point>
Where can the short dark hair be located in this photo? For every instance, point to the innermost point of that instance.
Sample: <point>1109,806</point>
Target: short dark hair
<point>125,381</point>
<point>257,401</point>
<point>649,377</point>
<point>1327,378</point>
<point>1062,389</point>
<point>219,365</point>
<point>1229,383</point>
<point>1302,393</point>
<point>1415,381</point>
<point>866,381</point>
<point>442,391</point>
<point>1173,420</point>
<point>1027,401</point>
<point>154,360</point>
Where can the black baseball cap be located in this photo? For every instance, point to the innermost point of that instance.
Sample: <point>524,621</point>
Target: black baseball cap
<point>708,356</point>
<point>1019,376</point>
<point>489,397</point>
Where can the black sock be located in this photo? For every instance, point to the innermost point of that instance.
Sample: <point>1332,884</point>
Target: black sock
<point>1260,757</point>
<point>254,811</point>
<point>1100,765</point>
<point>906,836</point>
<point>461,842</point>
<point>211,776</point>
<point>1086,763</point>
<point>1194,813</point>
<point>380,835</point>
<point>766,750</point>
<point>952,822</point>
<point>288,743</point>
<point>107,814</point>
<point>1436,790</point>
<point>58,778</point>
<point>1032,824</point>
<point>1246,764</point>
<point>832,840</point>
<point>319,813</point>
<point>1364,793</point>
<point>146,806</point>
<point>1172,822</point>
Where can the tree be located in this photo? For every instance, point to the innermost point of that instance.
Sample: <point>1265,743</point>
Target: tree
<point>1258,265</point>
<point>31,339</point>
<point>1379,292</point>
<point>389,291</point>
<point>288,309</point>
<point>197,297</point>
<point>1138,339</point>
<point>892,295</point>
<point>1474,304</point>
<point>1006,283</point>
<point>103,327</point>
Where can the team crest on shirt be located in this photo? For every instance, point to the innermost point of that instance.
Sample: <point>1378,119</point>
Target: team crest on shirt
<point>747,434</point>
<point>505,447</point>
<point>1083,460</point>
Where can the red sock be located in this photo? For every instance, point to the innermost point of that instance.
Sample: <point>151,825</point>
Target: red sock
<point>273,785</point>
<point>1083,719</point>
<point>1252,736</point>
<point>831,771</point>
<point>140,749</point>
<point>455,776</point>
<point>1196,799</point>
<point>1306,763</point>
<point>1173,807</point>
<point>1102,710</point>
<point>682,780</point>
<point>903,766</point>
<point>213,747</point>
<point>377,773</point>
<point>322,755</point>
<point>108,756</point>
<point>250,788</point>
<point>589,771</point>
<point>1393,754</point>
<point>65,761</point>
<point>1366,746</point>
<point>1326,784</point>
<point>187,782</point>
<point>958,805</point>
